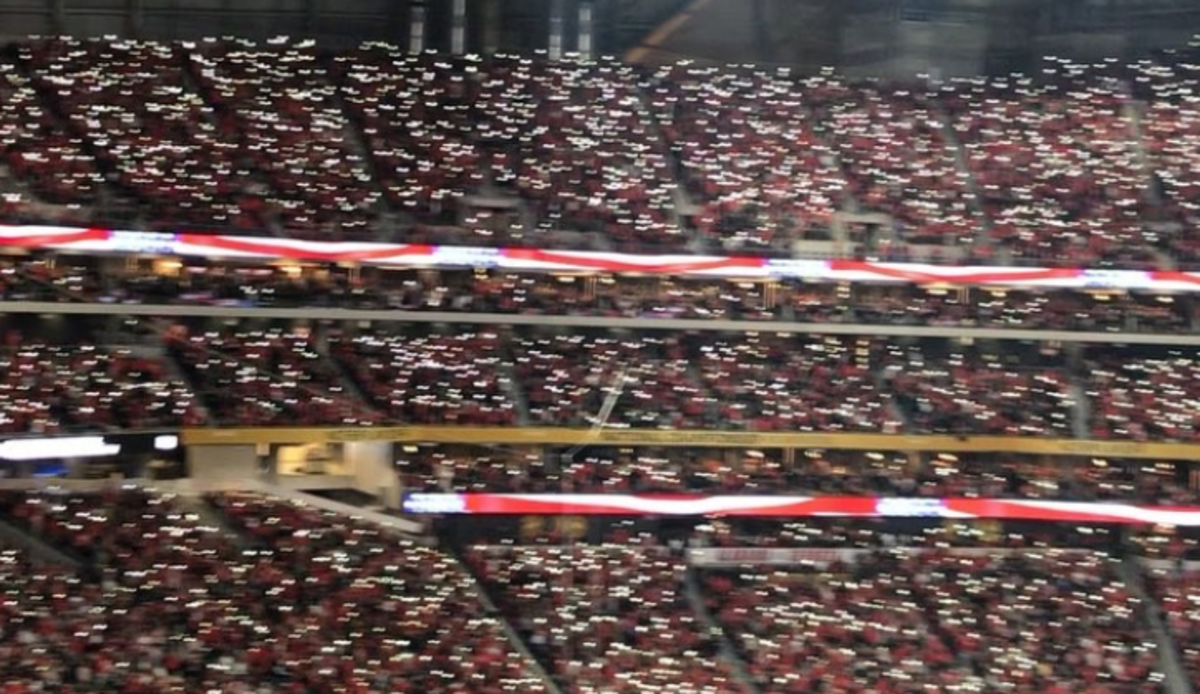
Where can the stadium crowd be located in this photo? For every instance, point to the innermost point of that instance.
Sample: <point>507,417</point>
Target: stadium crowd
<point>56,388</point>
<point>251,594</point>
<point>605,616</point>
<point>283,597</point>
<point>647,470</point>
<point>1177,594</point>
<point>301,601</point>
<point>1048,190</point>
<point>206,372</point>
<point>374,143</point>
<point>267,377</point>
<point>72,280</point>
<point>1056,621</point>
<point>443,379</point>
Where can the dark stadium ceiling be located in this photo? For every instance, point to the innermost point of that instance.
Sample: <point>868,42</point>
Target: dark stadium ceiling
<point>868,37</point>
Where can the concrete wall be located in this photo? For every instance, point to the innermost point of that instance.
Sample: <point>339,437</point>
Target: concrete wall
<point>370,465</point>
<point>219,466</point>
<point>864,37</point>
<point>336,21</point>
<point>940,49</point>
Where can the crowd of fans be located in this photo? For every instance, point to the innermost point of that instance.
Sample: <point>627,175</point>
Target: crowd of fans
<point>1143,397</point>
<point>56,388</point>
<point>1057,168</point>
<point>1178,594</point>
<point>299,599</point>
<point>1170,122</point>
<point>610,380</point>
<point>442,379</point>
<point>783,384</point>
<point>372,609</point>
<point>279,104</point>
<point>67,279</point>
<point>818,534</point>
<point>648,470</point>
<point>748,152</point>
<point>157,141</point>
<point>1058,621</point>
<point>53,166</point>
<point>603,618</point>
<point>998,308</point>
<point>284,597</point>
<point>375,144</point>
<point>571,140</point>
<point>794,384</point>
<point>1073,164</point>
<point>946,390</point>
<point>339,374</point>
<point>266,377</point>
<point>898,159</point>
<point>751,382</point>
<point>303,601</point>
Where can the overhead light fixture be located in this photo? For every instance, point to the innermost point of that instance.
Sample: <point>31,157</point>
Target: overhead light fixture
<point>67,447</point>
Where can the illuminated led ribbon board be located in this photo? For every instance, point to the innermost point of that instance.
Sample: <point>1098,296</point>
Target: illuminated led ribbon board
<point>187,244</point>
<point>684,505</point>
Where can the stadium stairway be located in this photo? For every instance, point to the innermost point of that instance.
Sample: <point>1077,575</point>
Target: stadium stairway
<point>1081,413</point>
<point>695,596</point>
<point>1177,681</point>
<point>678,192</point>
<point>1133,112</point>
<point>351,386</point>
<point>39,550</point>
<point>174,371</point>
<point>207,516</point>
<point>1189,309</point>
<point>515,392</point>
<point>787,311</point>
<point>353,134</point>
<point>983,238</point>
<point>481,594</point>
<point>895,413</point>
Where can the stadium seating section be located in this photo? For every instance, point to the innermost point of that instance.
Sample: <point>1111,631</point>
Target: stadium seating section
<point>1057,621</point>
<point>1086,165</point>
<point>646,470</point>
<point>599,615</point>
<point>327,375</point>
<point>1092,167</point>
<point>132,591</point>
<point>243,592</point>
<point>302,601</point>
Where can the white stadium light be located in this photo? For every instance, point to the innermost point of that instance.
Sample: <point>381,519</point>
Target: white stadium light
<point>67,447</point>
<point>166,442</point>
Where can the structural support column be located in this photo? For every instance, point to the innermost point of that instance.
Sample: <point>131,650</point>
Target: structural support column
<point>555,44</point>
<point>310,17</point>
<point>58,16</point>
<point>490,23</point>
<point>586,31</point>
<point>458,28</point>
<point>416,28</point>
<point>134,20</point>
